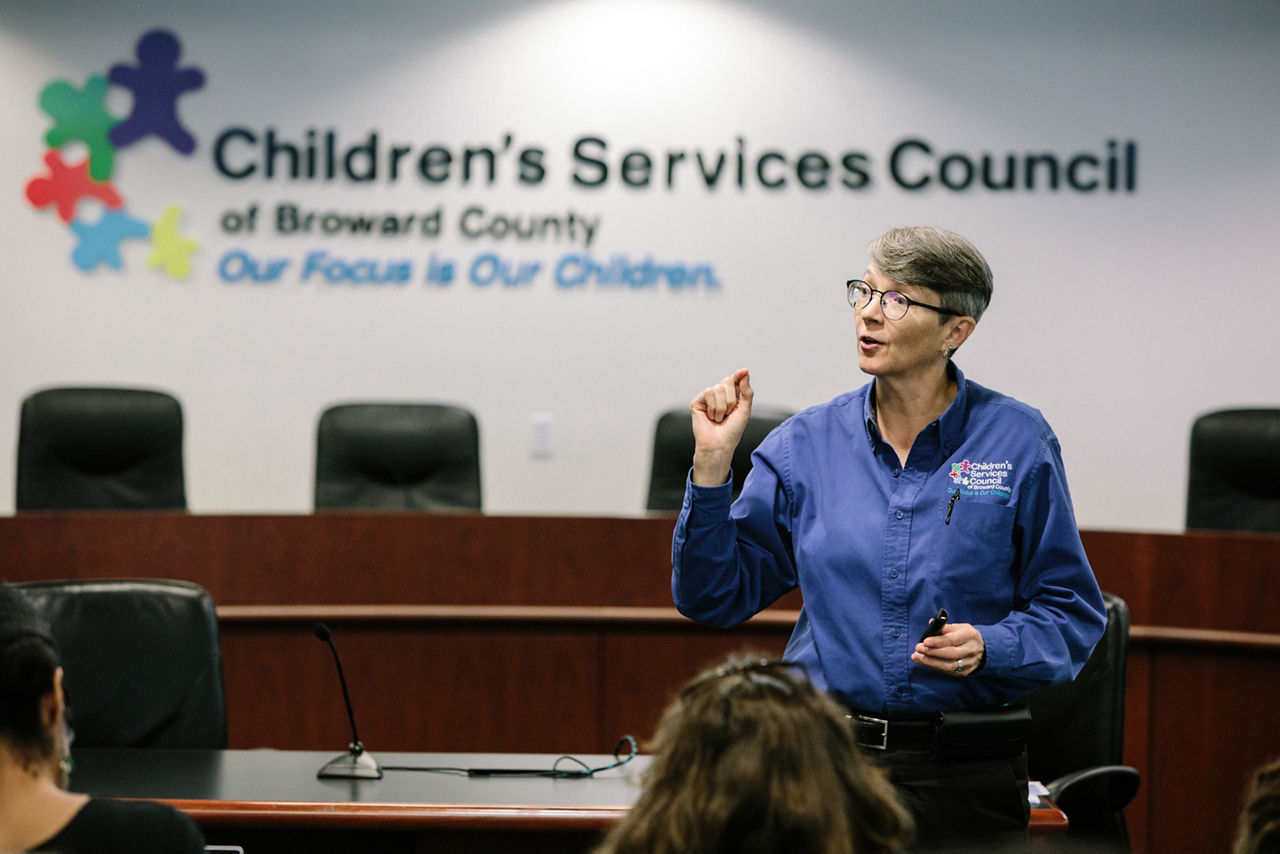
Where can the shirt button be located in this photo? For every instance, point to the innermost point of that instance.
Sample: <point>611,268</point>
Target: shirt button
<point>897,472</point>
<point>898,515</point>
<point>893,573</point>
<point>896,633</point>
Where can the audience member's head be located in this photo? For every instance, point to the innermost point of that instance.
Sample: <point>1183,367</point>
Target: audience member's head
<point>37,813</point>
<point>1259,828</point>
<point>751,758</point>
<point>31,706</point>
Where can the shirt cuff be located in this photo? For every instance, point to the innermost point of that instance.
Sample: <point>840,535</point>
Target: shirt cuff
<point>706,504</point>
<point>999,643</point>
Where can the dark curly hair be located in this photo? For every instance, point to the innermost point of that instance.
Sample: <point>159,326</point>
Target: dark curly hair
<point>751,758</point>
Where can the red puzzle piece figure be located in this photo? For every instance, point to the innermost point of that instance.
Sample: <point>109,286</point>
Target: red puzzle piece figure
<point>66,185</point>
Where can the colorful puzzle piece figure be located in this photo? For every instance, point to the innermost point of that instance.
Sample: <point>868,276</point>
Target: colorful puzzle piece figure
<point>156,82</point>
<point>65,186</point>
<point>100,241</point>
<point>81,114</point>
<point>169,249</point>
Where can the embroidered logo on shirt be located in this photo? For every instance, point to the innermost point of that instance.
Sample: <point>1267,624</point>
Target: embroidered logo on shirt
<point>982,478</point>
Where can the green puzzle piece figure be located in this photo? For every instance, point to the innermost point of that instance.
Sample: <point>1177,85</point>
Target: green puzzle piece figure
<point>81,114</point>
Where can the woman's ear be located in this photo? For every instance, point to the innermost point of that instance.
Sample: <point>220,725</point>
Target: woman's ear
<point>961,329</point>
<point>53,705</point>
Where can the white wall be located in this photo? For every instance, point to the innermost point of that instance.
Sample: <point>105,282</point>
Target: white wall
<point>1121,315</point>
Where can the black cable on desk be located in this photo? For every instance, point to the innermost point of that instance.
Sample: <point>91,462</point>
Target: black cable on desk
<point>554,772</point>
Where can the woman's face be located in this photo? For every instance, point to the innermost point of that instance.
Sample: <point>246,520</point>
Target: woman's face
<point>909,348</point>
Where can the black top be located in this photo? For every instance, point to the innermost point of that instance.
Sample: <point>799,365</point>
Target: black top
<point>104,826</point>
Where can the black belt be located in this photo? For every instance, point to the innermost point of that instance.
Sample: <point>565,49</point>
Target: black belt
<point>876,733</point>
<point>999,732</point>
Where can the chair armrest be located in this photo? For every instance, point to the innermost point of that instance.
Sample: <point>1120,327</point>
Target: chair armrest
<point>1110,787</point>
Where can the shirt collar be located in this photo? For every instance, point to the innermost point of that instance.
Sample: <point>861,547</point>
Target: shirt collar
<point>951,423</point>
<point>869,412</point>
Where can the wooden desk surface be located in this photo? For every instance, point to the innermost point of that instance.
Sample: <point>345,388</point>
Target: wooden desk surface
<point>279,789</point>
<point>237,788</point>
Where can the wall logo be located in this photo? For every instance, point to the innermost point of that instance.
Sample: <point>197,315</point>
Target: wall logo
<point>972,478</point>
<point>80,115</point>
<point>276,162</point>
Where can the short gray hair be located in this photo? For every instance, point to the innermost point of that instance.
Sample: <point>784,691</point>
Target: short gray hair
<point>939,260</point>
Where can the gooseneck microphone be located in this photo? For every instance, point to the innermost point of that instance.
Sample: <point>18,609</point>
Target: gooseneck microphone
<point>355,762</point>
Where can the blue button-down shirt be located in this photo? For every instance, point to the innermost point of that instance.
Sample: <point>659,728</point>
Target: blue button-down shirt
<point>979,521</point>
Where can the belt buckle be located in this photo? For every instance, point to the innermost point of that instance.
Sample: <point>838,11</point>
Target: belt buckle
<point>883,735</point>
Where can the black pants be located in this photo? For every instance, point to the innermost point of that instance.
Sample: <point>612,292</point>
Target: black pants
<point>962,806</point>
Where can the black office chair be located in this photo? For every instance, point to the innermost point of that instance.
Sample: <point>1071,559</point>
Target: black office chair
<point>141,661</point>
<point>1076,742</point>
<point>673,453</point>
<point>397,456</point>
<point>1234,481</point>
<point>100,449</point>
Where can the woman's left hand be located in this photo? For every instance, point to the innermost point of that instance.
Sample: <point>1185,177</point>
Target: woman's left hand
<point>958,651</point>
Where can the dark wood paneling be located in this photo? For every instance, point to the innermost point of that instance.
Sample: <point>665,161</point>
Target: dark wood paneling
<point>1216,724</point>
<point>423,686</point>
<point>645,666</point>
<point>1199,580</point>
<point>339,558</point>
<point>573,684</point>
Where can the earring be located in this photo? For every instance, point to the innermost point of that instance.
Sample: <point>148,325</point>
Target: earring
<point>66,765</point>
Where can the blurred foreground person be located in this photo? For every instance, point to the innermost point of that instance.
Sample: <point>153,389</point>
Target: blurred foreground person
<point>1259,830</point>
<point>752,759</point>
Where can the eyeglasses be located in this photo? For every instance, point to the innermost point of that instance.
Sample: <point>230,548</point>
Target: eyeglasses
<point>761,671</point>
<point>893,304</point>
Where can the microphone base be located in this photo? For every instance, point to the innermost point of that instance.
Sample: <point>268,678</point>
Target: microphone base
<point>359,766</point>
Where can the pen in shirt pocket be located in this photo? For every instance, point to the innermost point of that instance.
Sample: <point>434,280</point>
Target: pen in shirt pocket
<point>952,503</point>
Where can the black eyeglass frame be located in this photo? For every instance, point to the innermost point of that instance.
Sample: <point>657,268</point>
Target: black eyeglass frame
<point>849,285</point>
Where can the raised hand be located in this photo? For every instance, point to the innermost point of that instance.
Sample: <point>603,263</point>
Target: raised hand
<point>720,414</point>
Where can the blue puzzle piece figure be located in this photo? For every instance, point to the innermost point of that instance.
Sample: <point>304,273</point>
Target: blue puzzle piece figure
<point>156,82</point>
<point>100,241</point>
<point>81,114</point>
